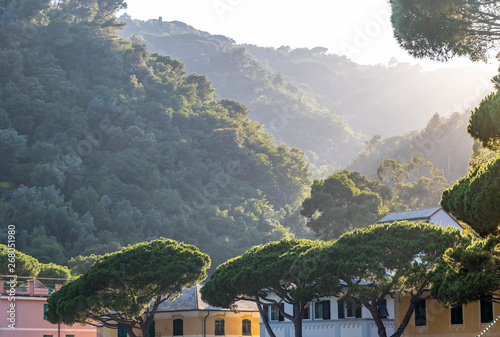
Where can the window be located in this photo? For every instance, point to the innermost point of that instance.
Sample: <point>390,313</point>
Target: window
<point>486,311</point>
<point>122,332</point>
<point>420,313</point>
<point>457,315</point>
<point>340,309</point>
<point>246,327</point>
<point>349,309</point>
<point>178,327</point>
<point>322,310</point>
<point>70,335</point>
<point>382,309</point>
<point>219,327</point>
<point>47,335</point>
<point>275,313</point>
<point>45,308</point>
<point>265,309</point>
<point>353,309</point>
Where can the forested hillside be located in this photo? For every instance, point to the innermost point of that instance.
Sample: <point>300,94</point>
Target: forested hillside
<point>103,144</point>
<point>322,103</point>
<point>289,113</point>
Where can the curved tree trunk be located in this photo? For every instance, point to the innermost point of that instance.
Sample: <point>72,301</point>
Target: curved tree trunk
<point>265,320</point>
<point>406,319</point>
<point>378,320</point>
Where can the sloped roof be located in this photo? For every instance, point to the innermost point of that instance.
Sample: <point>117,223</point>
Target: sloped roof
<point>191,300</point>
<point>421,214</point>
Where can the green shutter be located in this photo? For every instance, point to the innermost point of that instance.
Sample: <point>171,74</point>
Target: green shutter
<point>420,313</point>
<point>326,309</point>
<point>45,308</point>
<point>122,332</point>
<point>340,309</point>
<point>151,329</point>
<point>358,310</point>
<point>486,311</point>
<point>178,327</point>
<point>457,315</point>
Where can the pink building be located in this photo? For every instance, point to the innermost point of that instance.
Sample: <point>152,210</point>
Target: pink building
<point>24,316</point>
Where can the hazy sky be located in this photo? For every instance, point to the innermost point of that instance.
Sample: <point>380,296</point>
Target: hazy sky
<point>360,29</point>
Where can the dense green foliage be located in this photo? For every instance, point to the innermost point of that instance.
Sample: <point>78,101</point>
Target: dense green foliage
<point>124,289</point>
<point>25,265</point>
<point>51,274</point>
<point>484,123</point>
<point>475,198</point>
<point>103,145</point>
<point>471,273</point>
<point>260,273</point>
<point>344,201</point>
<point>382,260</point>
<point>414,185</point>
<point>446,28</point>
<point>81,264</point>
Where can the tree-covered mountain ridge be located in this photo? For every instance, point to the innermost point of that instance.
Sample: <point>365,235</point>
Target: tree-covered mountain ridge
<point>331,103</point>
<point>103,144</point>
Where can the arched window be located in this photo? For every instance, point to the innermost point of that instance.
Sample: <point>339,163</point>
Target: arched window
<point>178,327</point>
<point>246,327</point>
<point>219,327</point>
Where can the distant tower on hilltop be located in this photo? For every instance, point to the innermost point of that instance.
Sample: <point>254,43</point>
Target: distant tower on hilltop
<point>160,19</point>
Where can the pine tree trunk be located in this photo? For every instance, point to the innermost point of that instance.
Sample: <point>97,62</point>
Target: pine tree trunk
<point>406,318</point>
<point>265,320</point>
<point>298,327</point>
<point>378,320</point>
<point>145,331</point>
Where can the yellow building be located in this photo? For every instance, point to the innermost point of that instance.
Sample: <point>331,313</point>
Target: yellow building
<point>189,316</point>
<point>430,319</point>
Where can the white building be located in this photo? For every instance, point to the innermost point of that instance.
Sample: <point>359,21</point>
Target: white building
<point>329,318</point>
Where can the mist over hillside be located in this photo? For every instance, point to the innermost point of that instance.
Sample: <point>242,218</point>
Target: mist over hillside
<point>324,104</point>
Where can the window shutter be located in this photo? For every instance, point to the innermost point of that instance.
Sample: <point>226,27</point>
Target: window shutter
<point>151,329</point>
<point>326,309</point>
<point>178,327</point>
<point>358,310</point>
<point>340,306</point>
<point>457,315</point>
<point>420,313</point>
<point>486,311</point>
<point>280,317</point>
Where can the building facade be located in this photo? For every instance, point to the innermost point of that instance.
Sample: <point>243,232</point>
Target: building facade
<point>328,317</point>
<point>24,316</point>
<point>189,316</point>
<point>432,319</point>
